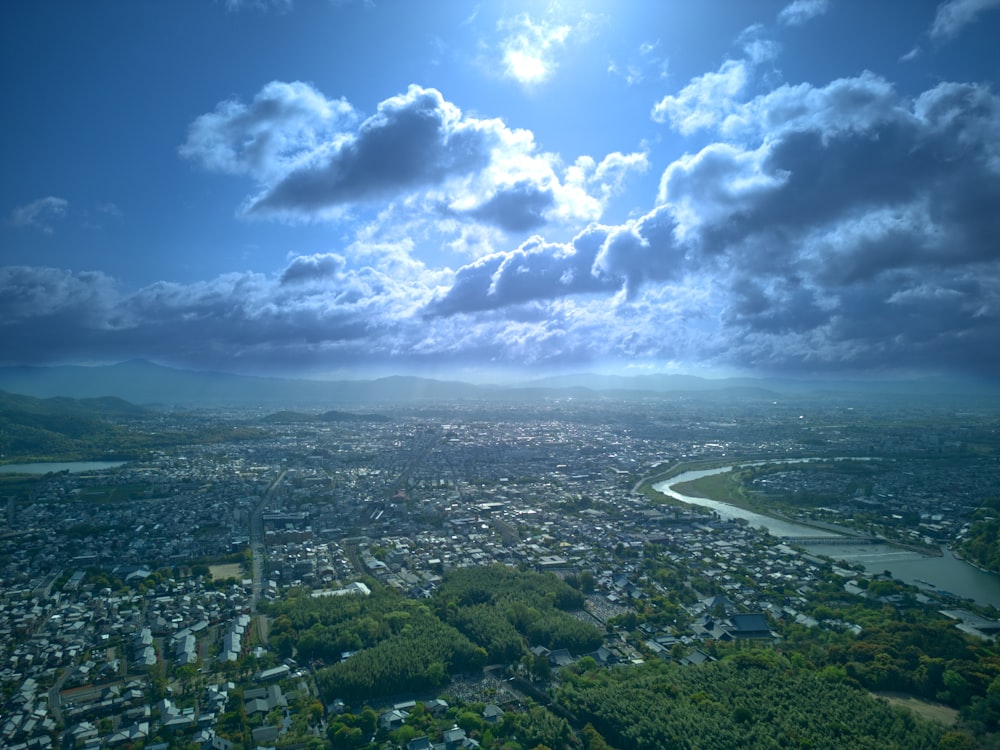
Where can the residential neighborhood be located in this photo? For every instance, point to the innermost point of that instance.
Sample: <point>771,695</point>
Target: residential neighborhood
<point>130,614</point>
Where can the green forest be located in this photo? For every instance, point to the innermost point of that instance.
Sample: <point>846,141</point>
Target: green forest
<point>368,646</point>
<point>754,699</point>
<point>812,691</point>
<point>982,544</point>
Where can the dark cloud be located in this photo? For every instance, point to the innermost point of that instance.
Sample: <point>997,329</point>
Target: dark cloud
<point>832,229</point>
<point>516,208</point>
<point>413,140</point>
<point>306,268</point>
<point>53,315</point>
<point>312,159</point>
<point>829,235</point>
<point>646,250</point>
<point>535,271</point>
<point>861,228</point>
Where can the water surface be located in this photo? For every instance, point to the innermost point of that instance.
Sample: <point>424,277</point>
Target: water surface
<point>48,467</point>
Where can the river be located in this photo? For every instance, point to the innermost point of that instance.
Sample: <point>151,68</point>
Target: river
<point>48,467</point>
<point>945,573</point>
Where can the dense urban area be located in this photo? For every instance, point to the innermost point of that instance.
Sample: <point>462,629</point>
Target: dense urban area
<point>498,575</point>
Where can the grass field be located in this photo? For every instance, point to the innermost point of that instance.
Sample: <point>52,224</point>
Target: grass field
<point>229,570</point>
<point>923,709</point>
<point>721,487</point>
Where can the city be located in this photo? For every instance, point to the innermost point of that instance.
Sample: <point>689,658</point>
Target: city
<point>139,596</point>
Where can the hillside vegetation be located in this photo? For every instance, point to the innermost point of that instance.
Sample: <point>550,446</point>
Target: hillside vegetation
<point>67,429</point>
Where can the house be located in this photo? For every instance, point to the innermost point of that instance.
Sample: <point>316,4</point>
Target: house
<point>492,713</point>
<point>695,657</point>
<point>753,625</point>
<point>264,700</point>
<point>392,720</point>
<point>265,735</point>
<point>454,738</point>
<point>604,656</point>
<point>707,627</point>
<point>275,673</point>
<point>540,651</point>
<point>717,603</point>
<point>561,657</point>
<point>436,706</point>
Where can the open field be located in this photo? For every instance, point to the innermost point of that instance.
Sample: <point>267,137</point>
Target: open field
<point>923,709</point>
<point>229,570</point>
<point>721,487</point>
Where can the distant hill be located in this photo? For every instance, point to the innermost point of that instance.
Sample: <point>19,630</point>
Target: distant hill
<point>146,383</point>
<point>61,426</point>
<point>143,382</point>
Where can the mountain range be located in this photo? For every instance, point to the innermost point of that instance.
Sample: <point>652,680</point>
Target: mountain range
<point>146,383</point>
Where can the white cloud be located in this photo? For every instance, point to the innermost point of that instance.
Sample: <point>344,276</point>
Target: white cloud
<point>40,214</point>
<point>285,124</point>
<point>529,49</point>
<point>799,12</point>
<point>952,16</point>
<point>314,158</point>
<point>706,100</point>
<point>810,243</point>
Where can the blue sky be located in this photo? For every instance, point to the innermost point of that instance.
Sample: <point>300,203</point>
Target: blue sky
<point>494,189</point>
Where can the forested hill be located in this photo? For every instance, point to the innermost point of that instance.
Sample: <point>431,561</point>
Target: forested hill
<point>62,427</point>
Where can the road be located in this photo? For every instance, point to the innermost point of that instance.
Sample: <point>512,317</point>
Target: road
<point>257,540</point>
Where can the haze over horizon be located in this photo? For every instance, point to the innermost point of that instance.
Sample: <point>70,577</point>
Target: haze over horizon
<point>352,189</point>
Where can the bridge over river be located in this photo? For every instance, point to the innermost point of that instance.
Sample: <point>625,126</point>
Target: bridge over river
<point>831,540</point>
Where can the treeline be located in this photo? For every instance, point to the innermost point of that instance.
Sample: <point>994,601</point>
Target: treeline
<point>530,729</point>
<point>752,700</point>
<point>982,544</point>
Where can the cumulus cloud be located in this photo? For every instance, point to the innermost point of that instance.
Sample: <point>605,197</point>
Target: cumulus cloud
<point>799,12</point>
<point>954,15</point>
<point>413,140</point>
<point>848,226</point>
<point>40,214</point>
<point>307,268</point>
<point>240,319</point>
<point>315,158</point>
<point>537,270</point>
<point>706,100</point>
<point>285,123</point>
<point>818,229</point>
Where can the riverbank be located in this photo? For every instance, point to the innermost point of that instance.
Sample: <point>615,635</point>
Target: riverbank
<point>959,556</point>
<point>721,487</point>
<point>933,569</point>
